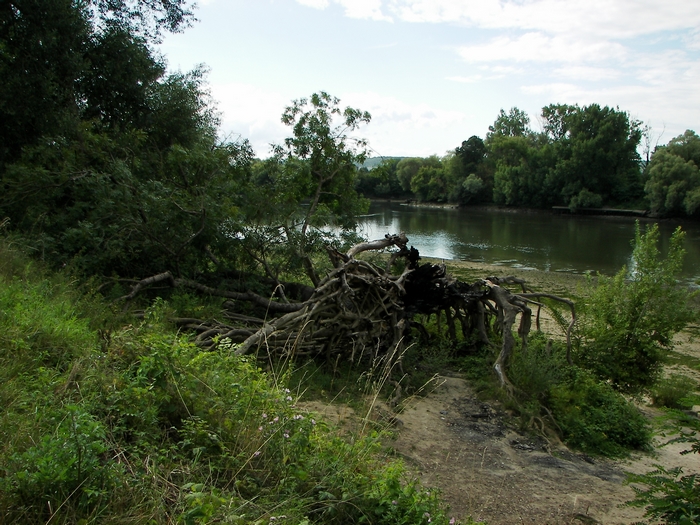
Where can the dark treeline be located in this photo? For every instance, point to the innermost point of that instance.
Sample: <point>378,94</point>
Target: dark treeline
<point>584,157</point>
<point>113,165</point>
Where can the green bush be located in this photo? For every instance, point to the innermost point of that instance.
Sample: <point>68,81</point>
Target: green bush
<point>669,495</point>
<point>536,371</point>
<point>594,418</point>
<point>627,325</point>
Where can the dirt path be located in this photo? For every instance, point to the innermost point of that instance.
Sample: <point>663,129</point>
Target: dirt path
<point>488,470</point>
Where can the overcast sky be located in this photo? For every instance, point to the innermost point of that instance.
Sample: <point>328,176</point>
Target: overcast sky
<point>434,72</point>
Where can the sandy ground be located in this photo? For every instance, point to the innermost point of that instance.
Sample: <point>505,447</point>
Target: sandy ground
<point>488,470</point>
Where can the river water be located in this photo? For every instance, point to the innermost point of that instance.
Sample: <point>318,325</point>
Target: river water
<point>528,240</point>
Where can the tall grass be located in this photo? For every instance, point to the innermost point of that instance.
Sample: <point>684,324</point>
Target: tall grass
<point>122,421</point>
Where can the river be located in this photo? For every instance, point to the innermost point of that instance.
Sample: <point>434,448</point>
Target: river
<point>521,239</point>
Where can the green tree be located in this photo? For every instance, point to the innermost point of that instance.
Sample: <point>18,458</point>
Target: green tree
<point>430,184</point>
<point>520,172</point>
<point>62,60</point>
<point>469,180</point>
<point>594,152</point>
<point>686,146</point>
<point>311,179</point>
<point>515,123</point>
<point>629,321</point>
<point>673,185</point>
<point>112,164</point>
<point>381,181</point>
<point>513,153</point>
<point>406,170</point>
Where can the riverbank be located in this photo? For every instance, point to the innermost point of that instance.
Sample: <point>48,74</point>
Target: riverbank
<point>560,283</point>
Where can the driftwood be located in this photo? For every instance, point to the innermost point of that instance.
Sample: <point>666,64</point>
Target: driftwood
<point>361,311</point>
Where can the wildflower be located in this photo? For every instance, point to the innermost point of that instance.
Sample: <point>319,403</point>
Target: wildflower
<point>288,398</point>
<point>256,453</point>
<point>298,417</point>
<point>276,419</point>
<point>394,502</point>
<point>260,429</point>
<point>264,415</point>
<point>313,421</point>
<point>453,521</point>
<point>286,435</point>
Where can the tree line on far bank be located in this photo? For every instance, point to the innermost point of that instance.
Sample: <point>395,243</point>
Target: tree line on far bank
<point>584,157</point>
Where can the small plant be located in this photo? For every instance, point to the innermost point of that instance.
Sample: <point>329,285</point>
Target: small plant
<point>675,391</point>
<point>668,494</point>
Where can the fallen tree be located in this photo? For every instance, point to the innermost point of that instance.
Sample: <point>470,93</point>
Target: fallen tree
<point>363,311</point>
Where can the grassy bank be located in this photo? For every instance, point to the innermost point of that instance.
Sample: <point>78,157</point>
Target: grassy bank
<point>106,419</point>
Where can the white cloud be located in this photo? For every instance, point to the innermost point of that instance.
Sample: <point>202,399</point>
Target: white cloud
<point>253,113</point>
<point>591,74</point>
<point>398,127</point>
<point>467,80</point>
<point>618,18</point>
<point>316,4</point>
<point>364,9</point>
<point>539,47</point>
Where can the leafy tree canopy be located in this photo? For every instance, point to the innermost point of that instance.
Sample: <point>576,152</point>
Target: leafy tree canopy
<point>673,186</point>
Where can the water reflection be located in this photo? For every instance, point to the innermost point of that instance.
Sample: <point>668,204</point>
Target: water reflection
<point>541,241</point>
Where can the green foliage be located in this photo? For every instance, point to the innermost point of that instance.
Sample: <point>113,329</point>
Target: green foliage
<point>673,186</point>
<point>381,181</point>
<point>667,493</point>
<point>588,414</point>
<point>519,178</point>
<point>675,391</point>
<point>585,199</point>
<point>594,418</point>
<point>137,424</point>
<point>595,149</point>
<point>515,123</point>
<point>628,323</point>
<point>539,369</point>
<point>293,199</point>
<point>472,188</point>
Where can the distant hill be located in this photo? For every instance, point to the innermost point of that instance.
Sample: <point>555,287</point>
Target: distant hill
<point>373,162</point>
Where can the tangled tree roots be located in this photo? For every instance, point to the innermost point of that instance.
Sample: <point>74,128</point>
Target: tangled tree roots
<point>360,310</point>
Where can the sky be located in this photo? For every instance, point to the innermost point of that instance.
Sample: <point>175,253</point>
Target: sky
<point>433,73</point>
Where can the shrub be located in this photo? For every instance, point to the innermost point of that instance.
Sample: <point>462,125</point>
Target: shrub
<point>595,418</point>
<point>536,371</point>
<point>627,325</point>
